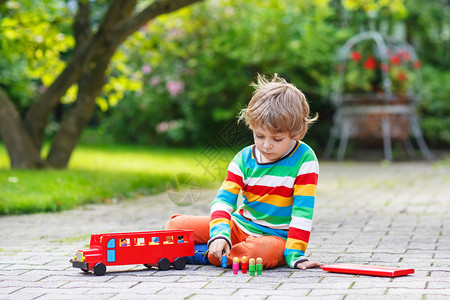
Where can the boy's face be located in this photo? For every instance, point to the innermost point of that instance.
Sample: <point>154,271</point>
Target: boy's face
<point>272,145</point>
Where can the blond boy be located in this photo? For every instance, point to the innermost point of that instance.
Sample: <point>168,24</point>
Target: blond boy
<point>278,178</point>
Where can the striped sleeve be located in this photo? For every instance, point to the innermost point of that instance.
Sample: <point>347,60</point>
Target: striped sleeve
<point>225,203</point>
<point>302,212</point>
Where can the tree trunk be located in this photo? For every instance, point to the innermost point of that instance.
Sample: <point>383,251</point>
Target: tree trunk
<point>21,150</point>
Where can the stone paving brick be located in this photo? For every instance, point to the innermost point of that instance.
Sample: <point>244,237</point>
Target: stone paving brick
<point>327,297</point>
<point>242,285</point>
<point>137,292</point>
<point>250,291</point>
<point>93,284</point>
<point>328,292</point>
<point>381,297</point>
<point>330,285</point>
<point>435,297</point>
<point>444,284</point>
<point>232,297</point>
<point>8,290</point>
<point>412,283</point>
<point>44,291</point>
<point>406,292</point>
<point>148,296</point>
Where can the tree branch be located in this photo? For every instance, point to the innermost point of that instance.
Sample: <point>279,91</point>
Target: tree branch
<point>117,11</point>
<point>158,7</point>
<point>75,119</point>
<point>36,116</point>
<point>82,23</point>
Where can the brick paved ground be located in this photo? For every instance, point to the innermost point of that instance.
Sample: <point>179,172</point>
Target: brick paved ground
<point>381,214</point>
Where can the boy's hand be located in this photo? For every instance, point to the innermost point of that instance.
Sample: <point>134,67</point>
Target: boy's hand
<point>217,247</point>
<point>310,264</point>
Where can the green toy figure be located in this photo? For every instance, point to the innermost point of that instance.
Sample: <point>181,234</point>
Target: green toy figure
<point>251,266</point>
<point>259,266</point>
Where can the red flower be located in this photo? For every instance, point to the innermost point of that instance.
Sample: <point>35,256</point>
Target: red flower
<point>396,59</point>
<point>405,55</point>
<point>402,76</point>
<point>417,64</point>
<point>356,56</point>
<point>370,63</point>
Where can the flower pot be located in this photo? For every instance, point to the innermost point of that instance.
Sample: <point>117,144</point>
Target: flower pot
<point>369,113</point>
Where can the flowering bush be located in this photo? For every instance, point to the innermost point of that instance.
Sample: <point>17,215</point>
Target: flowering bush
<point>363,74</point>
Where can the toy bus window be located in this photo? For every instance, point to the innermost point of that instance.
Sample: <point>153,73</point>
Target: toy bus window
<point>154,240</point>
<point>181,239</point>
<point>124,242</point>
<point>111,243</point>
<point>169,240</point>
<point>139,241</point>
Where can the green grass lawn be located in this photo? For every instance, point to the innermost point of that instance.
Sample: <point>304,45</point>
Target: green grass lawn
<point>99,174</point>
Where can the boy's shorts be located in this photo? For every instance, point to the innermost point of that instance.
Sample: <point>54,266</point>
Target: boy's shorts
<point>269,248</point>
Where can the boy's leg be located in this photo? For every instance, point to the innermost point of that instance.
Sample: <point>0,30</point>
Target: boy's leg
<point>269,248</point>
<point>200,225</point>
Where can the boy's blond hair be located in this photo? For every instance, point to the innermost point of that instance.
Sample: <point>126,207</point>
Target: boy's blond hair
<point>279,107</point>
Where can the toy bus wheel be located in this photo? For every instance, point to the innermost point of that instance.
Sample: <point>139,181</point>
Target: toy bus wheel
<point>148,265</point>
<point>85,270</point>
<point>179,263</point>
<point>99,269</point>
<point>164,264</point>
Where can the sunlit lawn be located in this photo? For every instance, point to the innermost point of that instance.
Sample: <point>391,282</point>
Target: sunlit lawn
<point>98,174</point>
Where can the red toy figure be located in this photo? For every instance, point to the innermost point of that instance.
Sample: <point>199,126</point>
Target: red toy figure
<point>151,248</point>
<point>244,264</point>
<point>235,265</point>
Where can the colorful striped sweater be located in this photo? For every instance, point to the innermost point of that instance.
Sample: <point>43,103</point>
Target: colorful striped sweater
<point>278,199</point>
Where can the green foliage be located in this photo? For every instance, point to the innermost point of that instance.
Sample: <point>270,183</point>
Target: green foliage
<point>197,65</point>
<point>34,36</point>
<point>96,174</point>
<point>387,7</point>
<point>428,24</point>
<point>435,107</point>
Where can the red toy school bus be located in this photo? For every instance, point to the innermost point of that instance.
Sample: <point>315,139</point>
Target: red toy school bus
<point>151,248</point>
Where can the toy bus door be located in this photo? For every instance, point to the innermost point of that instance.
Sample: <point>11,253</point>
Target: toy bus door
<point>111,250</point>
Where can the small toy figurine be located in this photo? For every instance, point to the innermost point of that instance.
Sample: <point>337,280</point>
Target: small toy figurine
<point>251,266</point>
<point>235,265</point>
<point>259,266</point>
<point>224,261</point>
<point>244,264</point>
